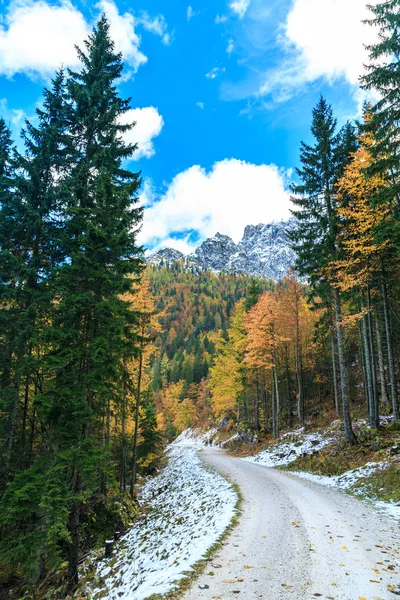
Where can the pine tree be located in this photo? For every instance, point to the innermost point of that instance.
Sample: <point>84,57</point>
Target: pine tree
<point>316,239</point>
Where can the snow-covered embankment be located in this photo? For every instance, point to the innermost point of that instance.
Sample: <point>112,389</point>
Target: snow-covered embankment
<point>189,509</point>
<point>300,444</point>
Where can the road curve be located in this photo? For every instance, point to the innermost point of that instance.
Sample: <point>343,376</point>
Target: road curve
<point>297,539</point>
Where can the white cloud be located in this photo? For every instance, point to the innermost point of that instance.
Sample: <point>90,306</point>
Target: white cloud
<point>14,117</point>
<point>230,47</point>
<point>225,199</point>
<point>221,19</point>
<point>321,38</point>
<point>200,105</point>
<point>239,7</point>
<point>157,25</point>
<point>215,72</point>
<point>37,37</point>
<point>149,124</point>
<point>191,13</point>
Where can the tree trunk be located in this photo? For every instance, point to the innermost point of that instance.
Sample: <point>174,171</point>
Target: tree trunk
<point>381,362</point>
<point>122,474</point>
<point>25,411</point>
<point>74,521</point>
<point>367,369</point>
<point>256,412</point>
<point>392,372</point>
<point>288,387</point>
<point>273,406</point>
<point>364,370</point>
<point>375,400</point>
<point>334,369</point>
<point>277,403</point>
<point>12,425</point>
<point>300,400</point>
<point>135,436</point>
<point>350,436</point>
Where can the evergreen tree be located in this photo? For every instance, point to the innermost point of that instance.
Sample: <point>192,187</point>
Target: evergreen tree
<point>8,311</point>
<point>316,236</point>
<point>92,332</point>
<point>31,220</point>
<point>73,264</point>
<point>254,292</point>
<point>383,76</point>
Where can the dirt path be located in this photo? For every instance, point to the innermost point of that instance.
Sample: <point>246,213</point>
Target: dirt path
<point>297,539</point>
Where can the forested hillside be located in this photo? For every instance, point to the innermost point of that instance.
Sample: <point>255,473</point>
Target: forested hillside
<point>194,311</point>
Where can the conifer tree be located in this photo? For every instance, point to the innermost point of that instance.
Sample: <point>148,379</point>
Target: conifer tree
<point>78,252</point>
<point>92,332</point>
<point>383,76</point>
<point>31,219</point>
<point>315,238</point>
<point>8,273</point>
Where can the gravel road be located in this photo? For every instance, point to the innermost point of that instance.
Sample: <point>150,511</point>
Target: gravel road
<point>297,539</point>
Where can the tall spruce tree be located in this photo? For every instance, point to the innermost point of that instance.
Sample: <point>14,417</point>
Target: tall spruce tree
<point>92,334</point>
<point>315,238</point>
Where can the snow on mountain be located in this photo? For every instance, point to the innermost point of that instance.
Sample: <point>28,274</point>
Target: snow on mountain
<point>165,256</point>
<point>263,251</point>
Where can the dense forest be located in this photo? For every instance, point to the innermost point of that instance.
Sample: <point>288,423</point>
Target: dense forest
<point>104,359</point>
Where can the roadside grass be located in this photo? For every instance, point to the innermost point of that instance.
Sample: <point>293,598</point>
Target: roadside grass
<point>384,484</point>
<point>200,567</point>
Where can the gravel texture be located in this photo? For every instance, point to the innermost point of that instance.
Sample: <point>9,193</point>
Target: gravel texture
<point>298,539</point>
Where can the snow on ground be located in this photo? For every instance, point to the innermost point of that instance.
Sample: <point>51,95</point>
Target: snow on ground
<point>349,480</point>
<point>194,437</point>
<point>284,453</point>
<point>189,509</point>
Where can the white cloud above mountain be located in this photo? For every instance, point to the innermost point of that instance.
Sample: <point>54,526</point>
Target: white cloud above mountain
<point>226,198</point>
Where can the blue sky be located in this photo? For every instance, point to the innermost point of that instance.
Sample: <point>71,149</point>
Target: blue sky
<point>222,93</point>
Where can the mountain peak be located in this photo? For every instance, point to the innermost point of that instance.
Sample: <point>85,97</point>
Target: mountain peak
<point>264,251</point>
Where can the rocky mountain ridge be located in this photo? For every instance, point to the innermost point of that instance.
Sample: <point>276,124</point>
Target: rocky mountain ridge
<point>263,251</point>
